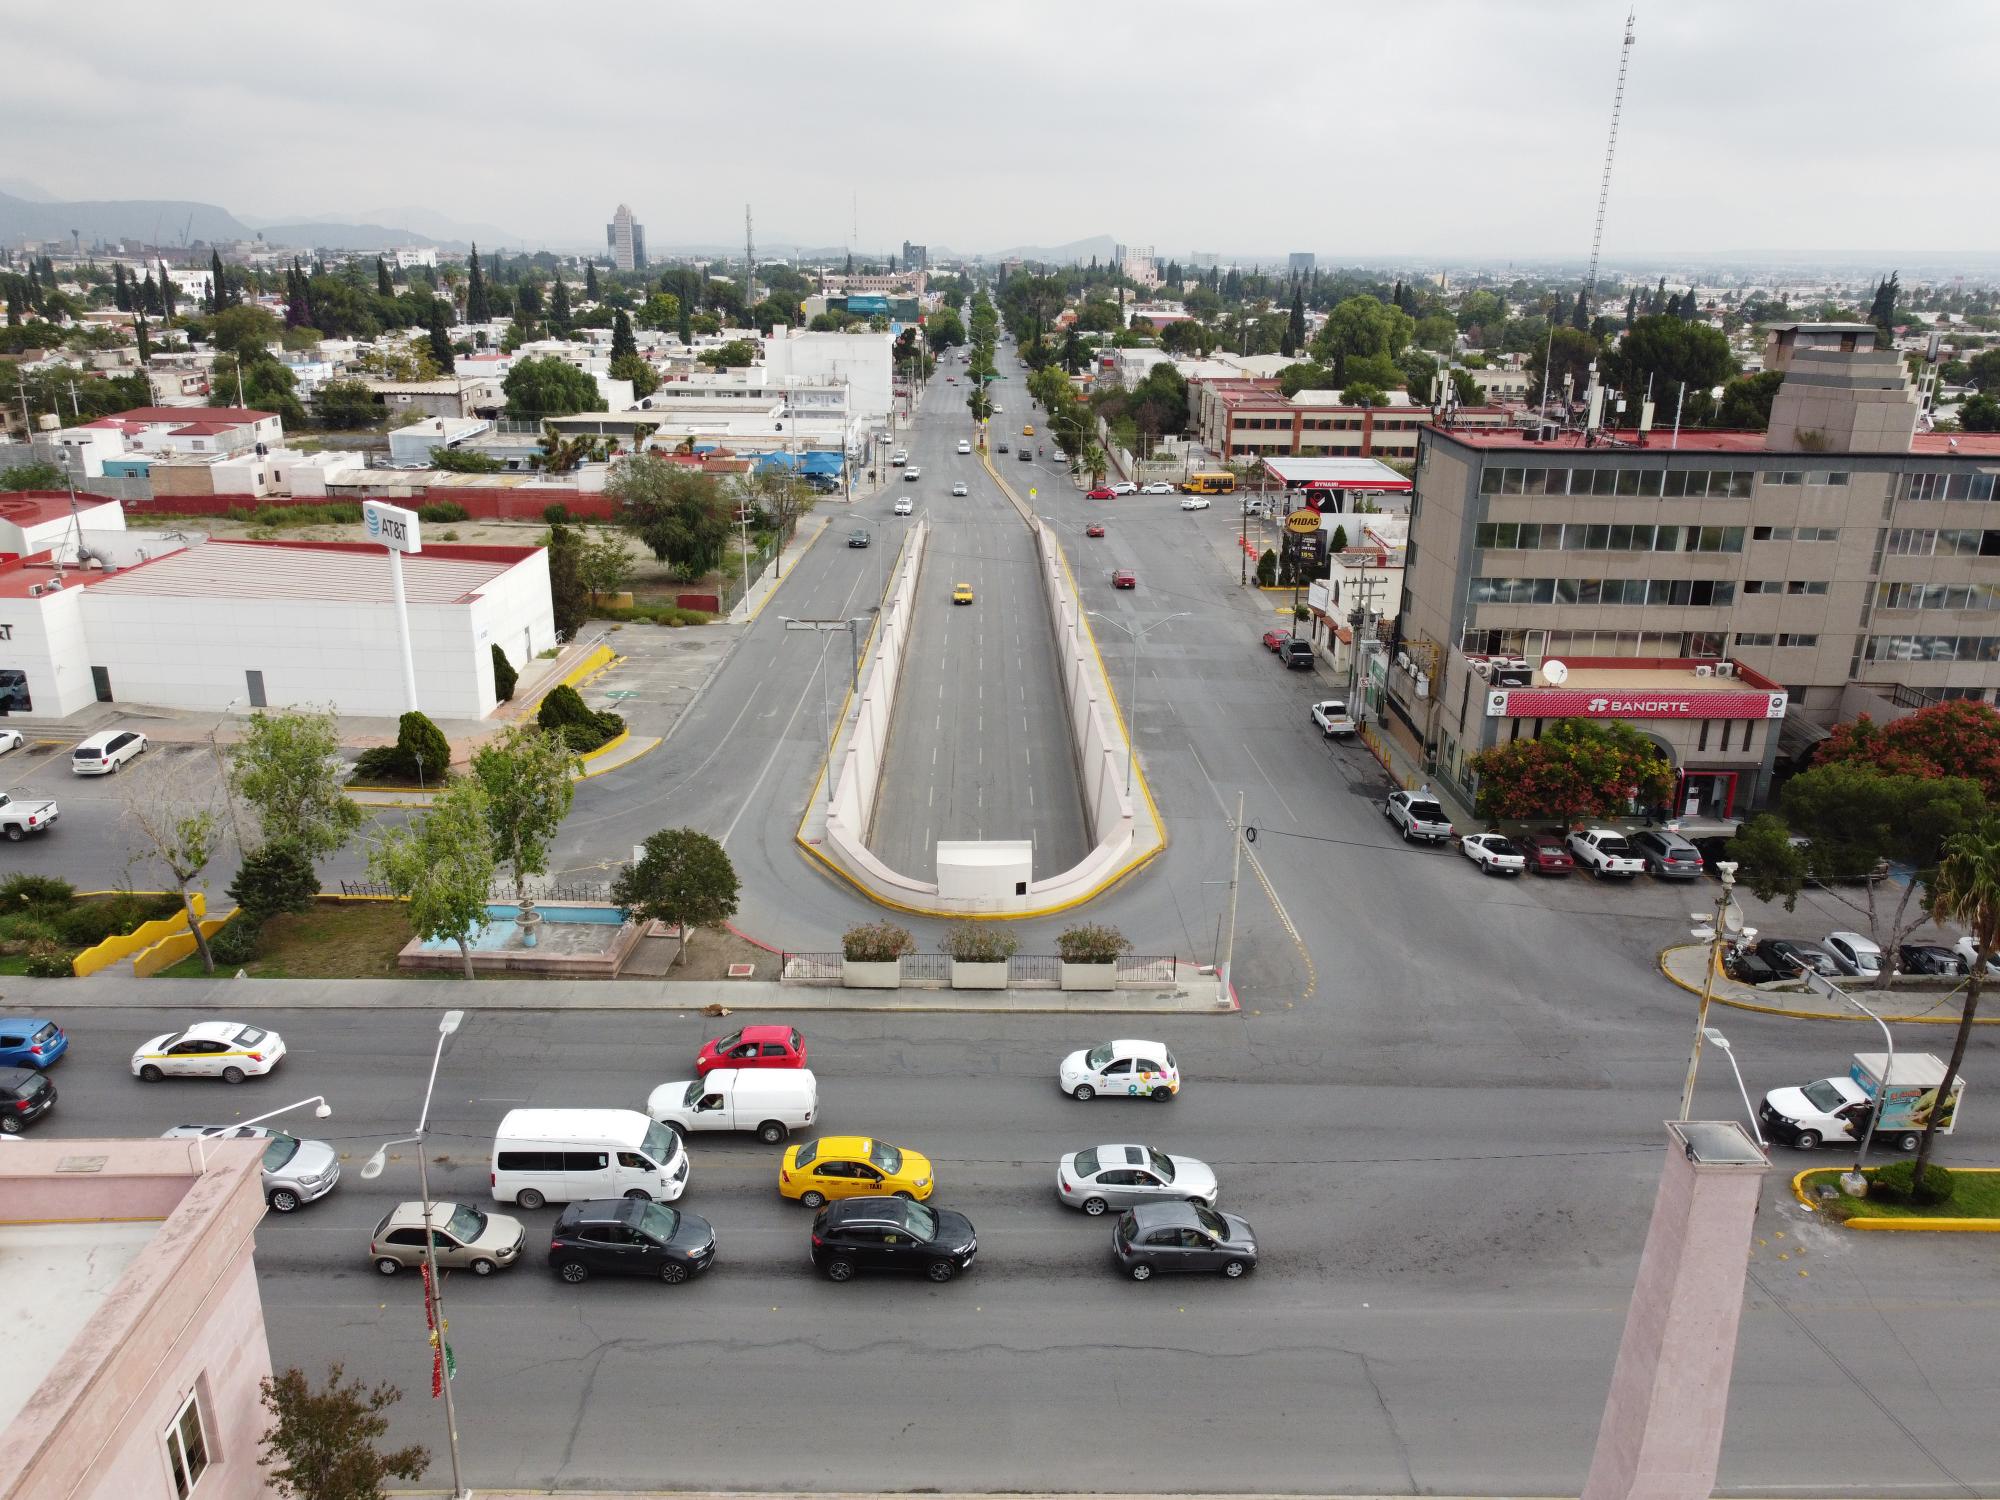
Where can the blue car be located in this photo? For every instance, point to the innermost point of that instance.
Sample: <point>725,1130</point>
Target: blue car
<point>30,1042</point>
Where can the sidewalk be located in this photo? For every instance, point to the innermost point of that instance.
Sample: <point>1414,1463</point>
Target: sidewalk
<point>1405,771</point>
<point>1196,994</point>
<point>1686,966</point>
<point>809,531</point>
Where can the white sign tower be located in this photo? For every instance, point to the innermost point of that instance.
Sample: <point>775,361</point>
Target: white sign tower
<point>399,531</point>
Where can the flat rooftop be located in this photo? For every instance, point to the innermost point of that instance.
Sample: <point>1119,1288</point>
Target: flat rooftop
<point>266,570</point>
<point>57,1276</point>
<point>1660,443</point>
<point>1648,674</point>
<point>32,507</point>
<point>1340,473</point>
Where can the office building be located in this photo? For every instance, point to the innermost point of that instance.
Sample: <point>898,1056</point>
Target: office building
<point>1303,262</point>
<point>916,257</point>
<point>1240,420</point>
<point>1840,563</point>
<point>625,238</point>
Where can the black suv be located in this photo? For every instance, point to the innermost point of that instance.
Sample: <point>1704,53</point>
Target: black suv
<point>1296,654</point>
<point>891,1234</point>
<point>630,1237</point>
<point>25,1096</point>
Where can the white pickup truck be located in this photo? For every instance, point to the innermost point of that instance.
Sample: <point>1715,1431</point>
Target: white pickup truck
<point>1331,717</point>
<point>1604,851</point>
<point>20,819</point>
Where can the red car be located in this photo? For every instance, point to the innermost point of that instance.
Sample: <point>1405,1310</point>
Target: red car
<point>1547,854</point>
<point>754,1047</point>
<point>1095,528</point>
<point>1273,639</point>
<point>1124,578</point>
<point>1102,492</point>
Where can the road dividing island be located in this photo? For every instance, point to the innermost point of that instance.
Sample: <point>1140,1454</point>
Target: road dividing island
<point>989,877</point>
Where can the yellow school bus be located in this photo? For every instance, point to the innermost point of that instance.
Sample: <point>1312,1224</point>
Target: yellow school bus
<point>1210,484</point>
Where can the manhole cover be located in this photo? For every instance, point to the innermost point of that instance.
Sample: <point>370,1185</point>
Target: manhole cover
<point>742,971</point>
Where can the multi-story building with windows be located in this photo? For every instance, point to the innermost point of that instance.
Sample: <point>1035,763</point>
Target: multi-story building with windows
<point>625,238</point>
<point>1840,563</point>
<point>1242,420</point>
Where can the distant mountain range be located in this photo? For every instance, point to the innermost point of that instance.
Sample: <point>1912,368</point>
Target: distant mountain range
<point>173,221</point>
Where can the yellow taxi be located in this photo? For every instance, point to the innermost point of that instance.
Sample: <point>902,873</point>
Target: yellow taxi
<point>1028,430</point>
<point>852,1166</point>
<point>961,593</point>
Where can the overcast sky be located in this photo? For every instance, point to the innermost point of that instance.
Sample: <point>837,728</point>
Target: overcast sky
<point>1460,131</point>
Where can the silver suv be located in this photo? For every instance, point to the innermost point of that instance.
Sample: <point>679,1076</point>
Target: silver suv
<point>296,1172</point>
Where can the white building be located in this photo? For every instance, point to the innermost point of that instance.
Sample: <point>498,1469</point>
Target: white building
<point>415,255</point>
<point>626,239</point>
<point>863,360</point>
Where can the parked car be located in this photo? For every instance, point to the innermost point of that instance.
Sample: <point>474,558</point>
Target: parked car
<point>103,753</point>
<point>228,1050</point>
<point>1195,502</point>
<point>1605,851</point>
<point>1418,816</point>
<point>1124,578</point>
<point>753,1047</point>
<point>1331,717</point>
<point>852,1166</point>
<point>630,1237</point>
<point>890,1234</point>
<point>1790,957</point>
<point>464,1238</point>
<point>1746,966</point>
<point>1667,855</point>
<point>25,1096</point>
<point>1128,1067</point>
<point>1275,639</point>
<point>1095,528</point>
<point>1855,954</point>
<point>1125,1176</point>
<point>857,538</point>
<point>1157,487</point>
<point>1297,655</point>
<point>1124,487</point>
<point>19,819</point>
<point>11,739</point>
<point>1494,853</point>
<point>30,1042</point>
<point>1547,855</point>
<point>1165,1237</point>
<point>296,1171</point>
<point>1911,958</point>
<point>1101,493</point>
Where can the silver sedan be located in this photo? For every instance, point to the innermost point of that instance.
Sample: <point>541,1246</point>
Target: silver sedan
<point>1125,1176</point>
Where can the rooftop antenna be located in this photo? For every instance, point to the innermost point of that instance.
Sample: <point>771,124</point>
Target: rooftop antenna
<point>749,264</point>
<point>1610,150</point>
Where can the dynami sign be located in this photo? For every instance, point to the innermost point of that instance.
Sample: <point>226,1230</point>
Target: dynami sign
<point>1572,703</point>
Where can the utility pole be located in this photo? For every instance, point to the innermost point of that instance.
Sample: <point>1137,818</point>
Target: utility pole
<point>1235,877</point>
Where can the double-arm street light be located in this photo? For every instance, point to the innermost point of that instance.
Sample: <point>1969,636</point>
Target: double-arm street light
<point>433,1288</point>
<point>1132,699</point>
<point>1853,1183</point>
<point>1716,931</point>
<point>1721,1044</point>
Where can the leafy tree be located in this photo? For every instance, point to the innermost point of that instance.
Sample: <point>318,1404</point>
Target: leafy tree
<point>622,341</point>
<point>1567,355</point>
<point>442,865</point>
<point>566,590</point>
<point>321,1444</point>
<point>1965,890</point>
<point>1579,768</point>
<point>1958,738</point>
<point>1768,862</point>
<point>734,355</point>
<point>31,477</point>
<point>246,332</point>
<point>1436,331</point>
<point>528,776</point>
<point>346,405</point>
<point>683,878</point>
<point>944,330</point>
<point>635,368</point>
<point>271,881</point>
<point>287,767</point>
<point>1364,395</point>
<point>782,496</point>
<point>476,309</point>
<point>1746,400</point>
<point>1306,377</point>
<point>178,830</point>
<point>548,387</point>
<point>679,513</point>
<point>440,341</point>
<point>1979,413</point>
<point>1465,388</point>
<point>1983,370</point>
<point>1668,352</point>
<point>559,309</point>
<point>603,564</point>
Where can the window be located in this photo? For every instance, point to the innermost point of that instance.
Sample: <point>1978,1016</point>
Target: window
<point>188,1455</point>
<point>1784,586</point>
<point>1755,638</point>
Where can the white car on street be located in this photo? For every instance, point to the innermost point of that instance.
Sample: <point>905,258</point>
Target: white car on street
<point>10,739</point>
<point>1331,716</point>
<point>1136,1069</point>
<point>1157,487</point>
<point>1126,1176</point>
<point>913,472</point>
<point>965,445</point>
<point>1194,502</point>
<point>905,506</point>
<point>229,1050</point>
<point>959,488</point>
<point>1124,487</point>
<point>1494,853</point>
<point>1604,851</point>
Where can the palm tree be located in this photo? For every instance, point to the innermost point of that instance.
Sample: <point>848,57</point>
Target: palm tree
<point>1093,459</point>
<point>1965,890</point>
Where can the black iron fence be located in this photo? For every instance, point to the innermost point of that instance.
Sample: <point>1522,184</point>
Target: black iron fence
<point>1034,968</point>
<point>505,892</point>
<point>1136,968</point>
<point>810,968</point>
<point>1024,970</point>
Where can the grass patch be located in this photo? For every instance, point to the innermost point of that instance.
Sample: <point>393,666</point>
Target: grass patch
<point>658,614</point>
<point>1975,1195</point>
<point>335,940</point>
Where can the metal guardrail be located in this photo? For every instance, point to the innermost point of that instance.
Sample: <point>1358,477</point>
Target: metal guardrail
<point>597,893</point>
<point>810,968</point>
<point>1034,968</point>
<point>932,968</point>
<point>1024,970</point>
<point>1135,968</point>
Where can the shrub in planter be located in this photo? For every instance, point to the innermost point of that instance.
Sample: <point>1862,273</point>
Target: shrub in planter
<point>1896,1183</point>
<point>49,961</point>
<point>980,943</point>
<point>25,892</point>
<point>421,753</point>
<point>237,943</point>
<point>1087,943</point>
<point>582,728</point>
<point>876,943</point>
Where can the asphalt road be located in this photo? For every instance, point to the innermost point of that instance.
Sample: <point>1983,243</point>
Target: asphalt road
<point>980,745</point>
<point>1448,1244</point>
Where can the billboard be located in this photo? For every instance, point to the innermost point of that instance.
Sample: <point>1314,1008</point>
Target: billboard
<point>1582,703</point>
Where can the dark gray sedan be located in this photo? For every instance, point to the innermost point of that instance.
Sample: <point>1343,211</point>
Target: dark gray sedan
<point>1182,1237</point>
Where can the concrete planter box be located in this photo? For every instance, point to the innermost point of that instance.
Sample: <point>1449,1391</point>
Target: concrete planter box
<point>966,975</point>
<point>857,975</point>
<point>1089,976</point>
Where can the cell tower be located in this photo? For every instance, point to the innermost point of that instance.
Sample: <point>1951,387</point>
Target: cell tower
<point>1610,150</point>
<point>749,263</point>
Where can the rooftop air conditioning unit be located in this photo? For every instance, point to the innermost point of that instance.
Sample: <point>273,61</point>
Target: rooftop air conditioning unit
<point>1484,668</point>
<point>1725,669</point>
<point>1704,670</point>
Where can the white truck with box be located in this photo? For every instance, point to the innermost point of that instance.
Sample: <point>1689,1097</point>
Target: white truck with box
<point>773,1102</point>
<point>1837,1109</point>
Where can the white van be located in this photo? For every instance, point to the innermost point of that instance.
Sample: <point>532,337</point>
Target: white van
<point>568,1155</point>
<point>771,1101</point>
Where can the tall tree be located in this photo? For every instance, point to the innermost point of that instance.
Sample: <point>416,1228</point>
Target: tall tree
<point>1882,310</point>
<point>145,342</point>
<point>527,774</point>
<point>622,342</point>
<point>1579,317</point>
<point>121,289</point>
<point>476,310</point>
<point>1632,307</point>
<point>287,769</point>
<point>590,280</point>
<point>1295,326</point>
<point>682,878</point>
<point>686,328</point>
<point>679,513</point>
<point>559,316</point>
<point>442,354</point>
<point>1666,352</point>
<point>321,1443</point>
<point>178,829</point>
<point>384,287</point>
<point>218,282</point>
<point>442,865</point>
<point>167,294</point>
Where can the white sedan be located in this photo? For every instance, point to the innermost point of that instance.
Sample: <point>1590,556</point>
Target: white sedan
<point>10,739</point>
<point>1494,853</point>
<point>229,1050</point>
<point>1135,1069</point>
<point>1157,487</point>
<point>1194,502</point>
<point>905,506</point>
<point>959,488</point>
<point>1124,487</point>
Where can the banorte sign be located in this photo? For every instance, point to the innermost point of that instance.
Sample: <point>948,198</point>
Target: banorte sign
<point>1578,703</point>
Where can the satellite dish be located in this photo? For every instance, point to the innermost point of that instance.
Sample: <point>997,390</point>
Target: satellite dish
<point>1554,673</point>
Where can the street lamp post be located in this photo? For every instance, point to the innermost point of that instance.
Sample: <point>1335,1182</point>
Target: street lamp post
<point>1716,933</point>
<point>1132,710</point>
<point>1853,1183</point>
<point>433,1288</point>
<point>1721,1042</point>
<point>322,1111</point>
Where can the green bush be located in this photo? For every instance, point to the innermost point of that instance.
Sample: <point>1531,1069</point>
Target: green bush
<point>980,943</point>
<point>91,922</point>
<point>237,943</point>
<point>658,614</point>
<point>556,515</point>
<point>1896,1183</point>
<point>1267,570</point>
<point>1087,943</point>
<point>22,930</point>
<point>19,893</point>
<point>420,756</point>
<point>504,675</point>
<point>442,512</point>
<point>583,728</point>
<point>273,879</point>
<point>333,513</point>
<point>49,961</point>
<point>876,943</point>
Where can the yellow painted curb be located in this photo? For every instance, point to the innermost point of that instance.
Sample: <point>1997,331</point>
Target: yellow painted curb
<point>751,618</point>
<point>1901,1225</point>
<point>1809,1015</point>
<point>629,760</point>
